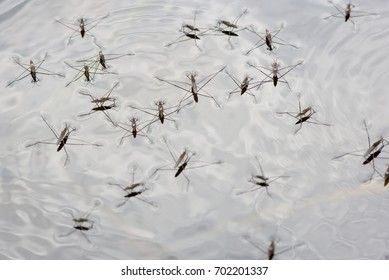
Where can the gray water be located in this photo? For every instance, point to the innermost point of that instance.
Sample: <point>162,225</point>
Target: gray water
<point>324,209</point>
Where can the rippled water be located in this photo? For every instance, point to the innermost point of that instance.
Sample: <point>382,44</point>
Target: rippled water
<point>324,209</point>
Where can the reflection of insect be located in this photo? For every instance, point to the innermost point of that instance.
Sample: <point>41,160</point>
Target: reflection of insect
<point>82,223</point>
<point>134,190</point>
<point>190,32</point>
<point>303,116</point>
<point>195,89</point>
<point>82,27</point>
<point>62,139</point>
<point>102,59</point>
<point>244,87</point>
<point>100,105</point>
<point>346,14</point>
<point>32,69</point>
<point>261,181</point>
<point>180,164</point>
<point>271,249</point>
<point>371,153</point>
<point>269,38</point>
<point>275,76</point>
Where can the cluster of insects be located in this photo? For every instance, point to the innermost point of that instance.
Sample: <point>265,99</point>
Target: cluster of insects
<point>193,89</point>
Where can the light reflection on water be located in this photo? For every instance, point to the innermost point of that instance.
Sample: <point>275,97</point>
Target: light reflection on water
<point>322,204</point>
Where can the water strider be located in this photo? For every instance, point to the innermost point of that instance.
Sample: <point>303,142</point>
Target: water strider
<point>32,70</point>
<point>62,139</point>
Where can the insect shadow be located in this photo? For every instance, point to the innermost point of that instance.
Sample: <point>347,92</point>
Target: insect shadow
<point>62,139</point>
<point>32,70</point>
<point>134,190</point>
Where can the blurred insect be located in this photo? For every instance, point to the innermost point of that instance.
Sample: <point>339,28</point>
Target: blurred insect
<point>270,252</point>
<point>62,139</point>
<point>83,223</point>
<point>100,105</point>
<point>276,74</point>
<point>303,116</point>
<point>196,88</point>
<point>346,13</point>
<point>133,129</point>
<point>228,28</point>
<point>371,153</point>
<point>32,70</point>
<point>244,87</point>
<point>180,164</point>
<point>160,113</point>
<point>190,32</point>
<point>270,39</point>
<point>102,59</point>
<point>85,71</point>
<point>134,190</point>
<point>261,181</point>
<point>82,27</point>
<point>386,176</point>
